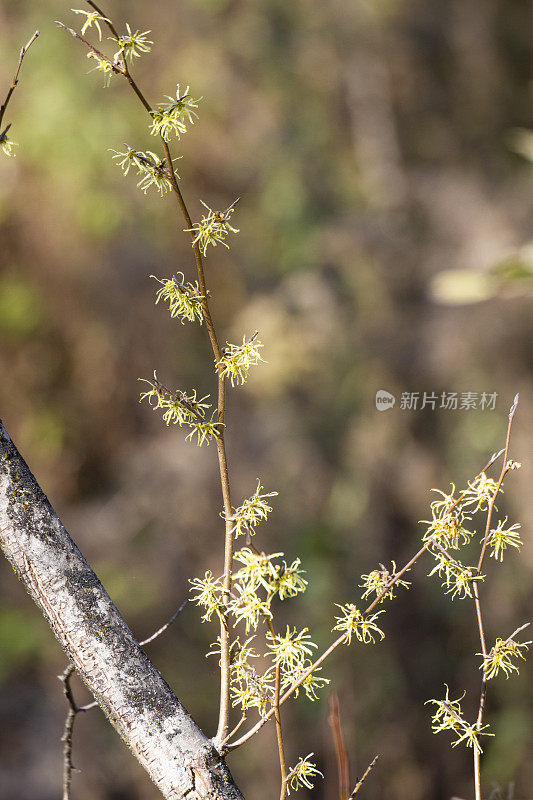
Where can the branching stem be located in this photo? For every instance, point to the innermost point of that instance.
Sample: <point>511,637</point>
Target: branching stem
<point>223,722</point>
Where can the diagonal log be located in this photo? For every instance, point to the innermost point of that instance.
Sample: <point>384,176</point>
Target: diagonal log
<point>180,759</point>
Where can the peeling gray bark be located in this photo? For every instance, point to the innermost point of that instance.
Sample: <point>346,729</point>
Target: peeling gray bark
<point>180,759</point>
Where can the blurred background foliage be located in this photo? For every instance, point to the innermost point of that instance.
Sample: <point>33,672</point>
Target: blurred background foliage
<point>385,243</point>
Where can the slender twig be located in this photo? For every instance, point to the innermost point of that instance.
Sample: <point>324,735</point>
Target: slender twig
<point>279,734</point>
<point>343,764</point>
<point>223,722</point>
<point>483,692</point>
<point>165,626</point>
<point>518,630</point>
<point>74,709</point>
<point>113,64</point>
<point>503,473</point>
<point>68,730</point>
<point>14,82</point>
<point>363,777</point>
<point>277,715</point>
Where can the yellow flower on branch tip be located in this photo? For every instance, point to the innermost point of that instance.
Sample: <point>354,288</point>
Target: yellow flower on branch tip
<point>500,657</point>
<point>92,18</point>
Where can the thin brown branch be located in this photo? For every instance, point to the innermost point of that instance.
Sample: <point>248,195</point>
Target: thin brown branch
<point>363,777</point>
<point>114,65</point>
<point>14,82</point>
<point>74,709</point>
<point>503,473</point>
<point>279,735</point>
<point>483,692</point>
<point>164,627</point>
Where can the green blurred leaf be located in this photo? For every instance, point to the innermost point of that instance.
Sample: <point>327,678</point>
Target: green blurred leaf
<point>20,307</point>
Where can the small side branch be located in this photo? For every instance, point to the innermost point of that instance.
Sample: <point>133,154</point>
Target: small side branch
<point>74,708</point>
<point>14,82</point>
<point>363,777</point>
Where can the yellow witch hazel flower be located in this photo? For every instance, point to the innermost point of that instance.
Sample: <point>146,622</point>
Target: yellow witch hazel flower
<point>458,579</point>
<point>292,649</point>
<point>133,45</point>
<point>213,227</point>
<point>447,521</point>
<point>182,409</point>
<point>249,689</point>
<point>379,581</point>
<point>248,607</point>
<point>208,595</point>
<point>103,65</point>
<point>184,299</point>
<point>449,717</point>
<point>253,511</point>
<point>480,492</point>
<point>500,538</point>
<point>238,358</point>
<point>6,144</point>
<point>151,169</point>
<point>91,18</point>
<point>257,569</point>
<point>260,570</point>
<point>288,581</point>
<point>253,691</point>
<point>303,774</point>
<point>170,118</point>
<point>352,621</point>
<point>501,655</point>
<point>311,684</point>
